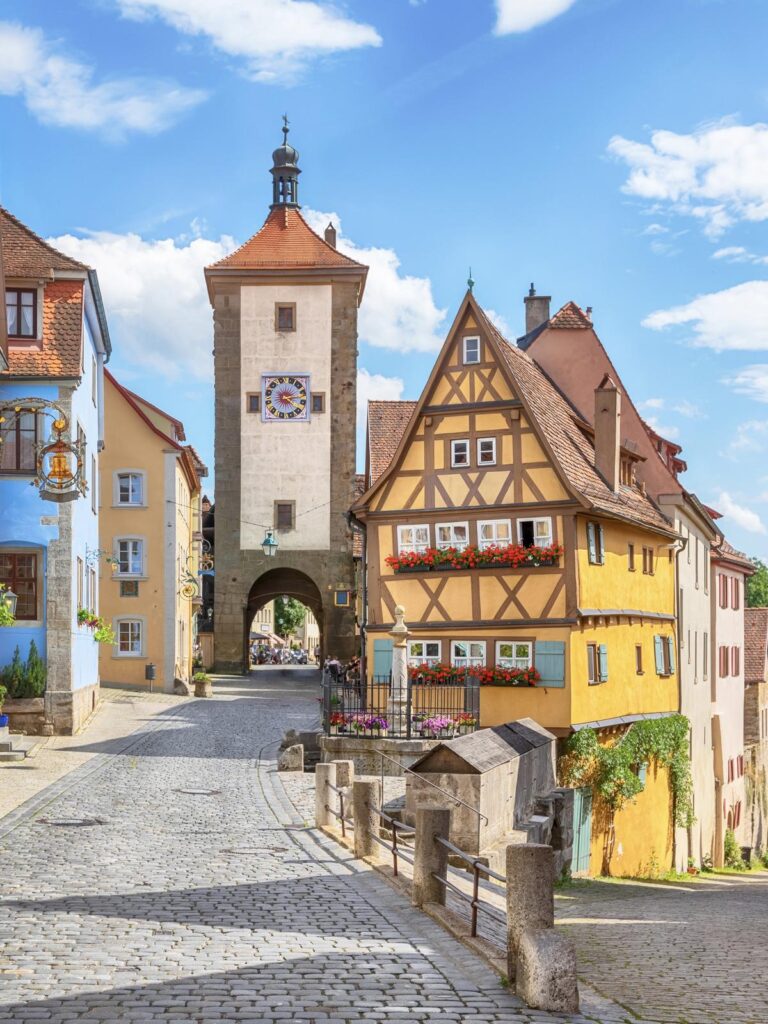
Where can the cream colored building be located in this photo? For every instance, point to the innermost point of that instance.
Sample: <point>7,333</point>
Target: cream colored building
<point>150,527</point>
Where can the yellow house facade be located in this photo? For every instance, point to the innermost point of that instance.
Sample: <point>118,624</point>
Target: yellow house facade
<point>150,528</point>
<point>513,534</point>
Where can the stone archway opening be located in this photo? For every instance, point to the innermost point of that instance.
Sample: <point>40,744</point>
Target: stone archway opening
<point>283,582</point>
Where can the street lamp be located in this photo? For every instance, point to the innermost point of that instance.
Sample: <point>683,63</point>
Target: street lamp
<point>269,545</point>
<point>10,600</point>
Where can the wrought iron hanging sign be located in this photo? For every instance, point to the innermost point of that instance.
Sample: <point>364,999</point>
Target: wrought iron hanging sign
<point>59,461</point>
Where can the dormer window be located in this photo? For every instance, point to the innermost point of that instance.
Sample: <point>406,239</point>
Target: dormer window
<point>21,312</point>
<point>471,350</point>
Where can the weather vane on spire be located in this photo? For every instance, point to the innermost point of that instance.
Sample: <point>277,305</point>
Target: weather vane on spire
<point>470,282</point>
<point>285,129</point>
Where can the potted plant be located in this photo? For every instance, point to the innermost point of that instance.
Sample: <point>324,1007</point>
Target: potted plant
<point>202,683</point>
<point>465,722</point>
<point>377,725</point>
<point>356,724</point>
<point>3,718</point>
<point>336,722</point>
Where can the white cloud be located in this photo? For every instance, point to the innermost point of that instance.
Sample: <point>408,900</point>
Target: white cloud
<point>651,403</point>
<point>717,174</point>
<point>155,298</point>
<point>371,387</point>
<point>738,254</point>
<point>751,381</point>
<point>736,318</point>
<point>655,229</point>
<point>59,90</point>
<point>522,15</point>
<point>275,38</point>
<point>750,438</point>
<point>398,311</point>
<point>739,514</point>
<point>682,407</point>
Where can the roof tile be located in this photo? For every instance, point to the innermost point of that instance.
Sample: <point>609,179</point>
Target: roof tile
<point>755,644</point>
<point>386,425</point>
<point>25,254</point>
<point>285,240</point>
<point>60,352</point>
<point>570,317</point>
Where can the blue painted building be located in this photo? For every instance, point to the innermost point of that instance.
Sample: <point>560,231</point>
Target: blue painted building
<point>54,342</point>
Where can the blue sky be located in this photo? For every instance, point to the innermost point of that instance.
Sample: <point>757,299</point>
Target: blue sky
<point>614,152</point>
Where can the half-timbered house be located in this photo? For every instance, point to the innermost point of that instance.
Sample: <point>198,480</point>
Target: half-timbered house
<point>514,535</point>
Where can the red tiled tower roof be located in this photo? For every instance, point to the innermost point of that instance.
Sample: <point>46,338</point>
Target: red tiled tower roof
<point>570,317</point>
<point>285,241</point>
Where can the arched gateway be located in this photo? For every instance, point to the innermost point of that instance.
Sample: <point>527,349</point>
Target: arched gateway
<point>285,360</point>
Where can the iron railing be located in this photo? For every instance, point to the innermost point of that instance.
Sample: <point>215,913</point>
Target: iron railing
<point>422,710</point>
<point>478,868</point>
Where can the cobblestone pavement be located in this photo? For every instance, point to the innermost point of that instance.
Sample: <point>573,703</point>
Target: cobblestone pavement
<point>174,881</point>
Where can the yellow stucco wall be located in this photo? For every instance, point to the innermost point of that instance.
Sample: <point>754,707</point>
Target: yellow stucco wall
<point>643,832</point>
<point>612,585</point>
<point>131,444</point>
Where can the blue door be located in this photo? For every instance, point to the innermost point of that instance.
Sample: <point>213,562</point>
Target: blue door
<point>582,830</point>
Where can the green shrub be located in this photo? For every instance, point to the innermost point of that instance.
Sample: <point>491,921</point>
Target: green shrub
<point>3,695</point>
<point>25,679</point>
<point>732,850</point>
<point>200,677</point>
<point>13,674</point>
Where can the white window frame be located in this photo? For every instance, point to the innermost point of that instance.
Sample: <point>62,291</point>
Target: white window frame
<point>516,661</point>
<point>470,661</point>
<point>417,548</point>
<point>118,473</point>
<point>492,442</point>
<point>465,355</point>
<point>454,463</point>
<point>129,620</point>
<point>484,543</point>
<point>119,574</point>
<point>443,545</point>
<point>535,520</point>
<point>425,659</point>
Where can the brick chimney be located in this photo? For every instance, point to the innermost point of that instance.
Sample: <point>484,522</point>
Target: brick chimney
<point>536,309</point>
<point>330,235</point>
<point>608,431</point>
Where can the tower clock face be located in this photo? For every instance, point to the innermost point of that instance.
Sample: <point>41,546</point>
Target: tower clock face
<point>285,396</point>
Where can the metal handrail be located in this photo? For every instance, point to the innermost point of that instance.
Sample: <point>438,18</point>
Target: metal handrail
<point>478,868</point>
<point>450,796</point>
<point>395,850</point>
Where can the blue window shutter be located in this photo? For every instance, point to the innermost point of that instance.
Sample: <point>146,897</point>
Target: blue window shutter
<point>603,651</point>
<point>659,652</point>
<point>642,773</point>
<point>382,658</point>
<point>549,659</point>
<point>671,652</point>
<point>591,542</point>
<point>599,544</point>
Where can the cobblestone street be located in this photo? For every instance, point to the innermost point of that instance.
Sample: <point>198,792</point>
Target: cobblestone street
<point>175,881</point>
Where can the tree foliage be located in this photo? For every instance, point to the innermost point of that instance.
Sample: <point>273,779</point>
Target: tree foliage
<point>289,615</point>
<point>23,679</point>
<point>757,585</point>
<point>6,619</point>
<point>612,771</point>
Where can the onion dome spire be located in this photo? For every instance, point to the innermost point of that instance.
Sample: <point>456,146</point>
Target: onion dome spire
<point>285,173</point>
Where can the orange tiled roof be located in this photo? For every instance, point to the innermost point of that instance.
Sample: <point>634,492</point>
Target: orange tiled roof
<point>25,254</point>
<point>60,353</point>
<point>755,644</point>
<point>732,554</point>
<point>570,317</point>
<point>386,425</point>
<point>285,240</point>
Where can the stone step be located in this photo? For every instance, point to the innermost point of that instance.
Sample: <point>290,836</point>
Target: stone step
<point>12,755</point>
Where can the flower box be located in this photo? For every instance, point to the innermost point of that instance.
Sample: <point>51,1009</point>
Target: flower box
<point>510,556</point>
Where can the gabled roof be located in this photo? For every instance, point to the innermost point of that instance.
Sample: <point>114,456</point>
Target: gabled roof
<point>570,317</point>
<point>489,748</point>
<point>386,425</point>
<point>572,453</point>
<point>725,552</point>
<point>25,254</point>
<point>755,644</point>
<point>285,241</point>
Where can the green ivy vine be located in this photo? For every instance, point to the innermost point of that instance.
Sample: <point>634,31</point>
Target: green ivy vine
<point>612,771</point>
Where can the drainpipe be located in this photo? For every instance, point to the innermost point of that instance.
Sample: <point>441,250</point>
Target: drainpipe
<point>679,547</point>
<point>356,524</point>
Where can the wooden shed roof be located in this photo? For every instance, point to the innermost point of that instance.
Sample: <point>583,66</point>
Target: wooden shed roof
<point>489,748</point>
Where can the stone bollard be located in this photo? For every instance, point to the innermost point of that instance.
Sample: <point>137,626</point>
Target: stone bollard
<point>345,774</point>
<point>430,858</point>
<point>366,808</point>
<point>291,759</point>
<point>325,797</point>
<point>541,962</point>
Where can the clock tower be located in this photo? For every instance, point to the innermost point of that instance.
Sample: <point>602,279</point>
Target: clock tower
<point>285,356</point>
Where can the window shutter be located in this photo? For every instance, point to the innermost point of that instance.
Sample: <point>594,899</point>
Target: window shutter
<point>599,542</point>
<point>549,658</point>
<point>671,654</point>
<point>659,655</point>
<point>603,652</point>
<point>591,542</point>
<point>382,658</point>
